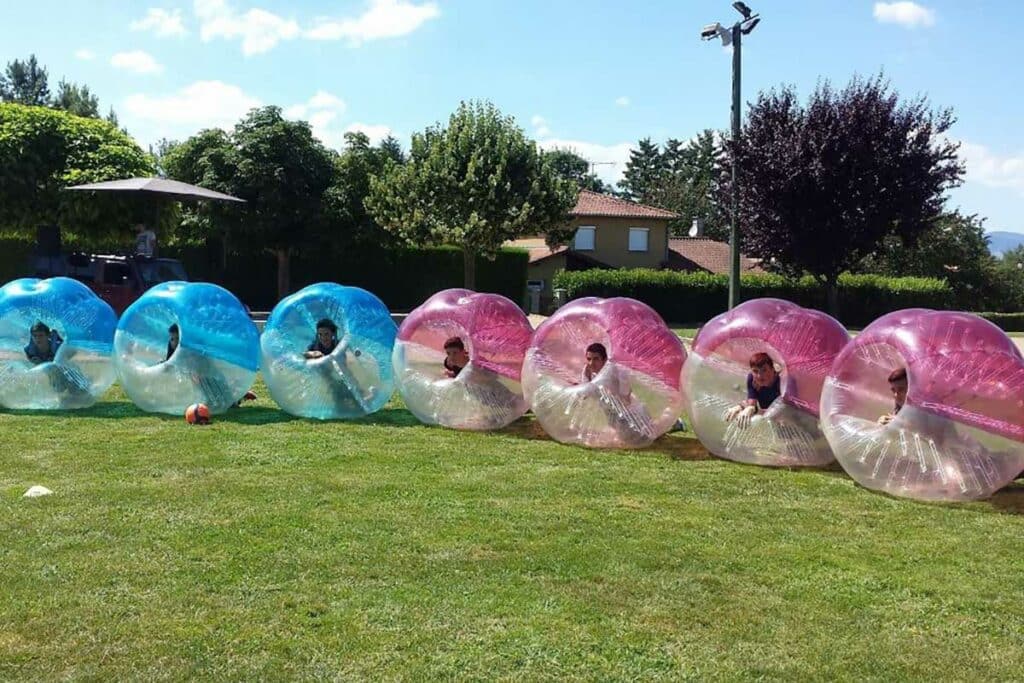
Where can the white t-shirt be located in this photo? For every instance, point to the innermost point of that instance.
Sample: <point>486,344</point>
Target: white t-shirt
<point>145,243</point>
<point>612,378</point>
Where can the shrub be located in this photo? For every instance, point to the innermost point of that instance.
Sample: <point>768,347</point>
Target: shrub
<point>698,297</point>
<point>1008,322</point>
<point>403,278</point>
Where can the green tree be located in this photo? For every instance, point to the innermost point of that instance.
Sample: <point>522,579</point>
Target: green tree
<point>644,173</point>
<point>571,166</point>
<point>475,184</point>
<point>350,222</point>
<point>277,166</point>
<point>25,83</point>
<point>822,185</point>
<point>76,99</point>
<point>1010,280</point>
<point>954,247</point>
<point>391,148</point>
<point>44,150</point>
<point>688,183</point>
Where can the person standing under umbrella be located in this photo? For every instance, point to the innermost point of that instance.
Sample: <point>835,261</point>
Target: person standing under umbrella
<point>145,241</point>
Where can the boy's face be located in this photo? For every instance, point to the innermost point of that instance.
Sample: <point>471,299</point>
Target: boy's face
<point>764,374</point>
<point>41,340</point>
<point>324,335</point>
<point>899,392</point>
<point>174,338</point>
<point>457,358</point>
<point>594,362</point>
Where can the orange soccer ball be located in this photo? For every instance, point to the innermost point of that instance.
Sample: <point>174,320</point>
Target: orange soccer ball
<point>197,414</point>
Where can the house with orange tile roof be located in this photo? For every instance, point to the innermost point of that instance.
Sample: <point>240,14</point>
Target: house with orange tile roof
<point>616,233</point>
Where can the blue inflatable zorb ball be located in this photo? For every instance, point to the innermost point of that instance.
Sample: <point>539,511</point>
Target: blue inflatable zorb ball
<point>66,363</point>
<point>351,375</point>
<point>215,359</point>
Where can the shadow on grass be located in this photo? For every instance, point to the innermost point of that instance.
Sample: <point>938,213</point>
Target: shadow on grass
<point>255,415</point>
<point>674,446</point>
<point>1009,499</point>
<point>390,417</point>
<point>105,410</point>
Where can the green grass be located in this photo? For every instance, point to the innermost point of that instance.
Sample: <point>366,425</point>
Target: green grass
<point>266,548</point>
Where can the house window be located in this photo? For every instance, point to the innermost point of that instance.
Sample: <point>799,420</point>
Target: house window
<point>585,238</point>
<point>638,239</point>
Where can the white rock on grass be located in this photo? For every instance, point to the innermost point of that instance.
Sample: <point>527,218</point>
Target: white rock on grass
<point>37,491</point>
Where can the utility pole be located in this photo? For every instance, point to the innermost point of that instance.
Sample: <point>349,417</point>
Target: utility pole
<point>734,37</point>
<point>734,228</point>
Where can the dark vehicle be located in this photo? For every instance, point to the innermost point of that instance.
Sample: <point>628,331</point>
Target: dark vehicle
<point>117,279</point>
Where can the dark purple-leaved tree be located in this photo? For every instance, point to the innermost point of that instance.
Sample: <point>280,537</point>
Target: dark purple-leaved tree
<point>822,184</point>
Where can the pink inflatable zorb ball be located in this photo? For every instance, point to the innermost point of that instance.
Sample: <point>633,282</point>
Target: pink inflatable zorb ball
<point>478,390</point>
<point>950,424</point>
<point>630,400</point>
<point>801,343</point>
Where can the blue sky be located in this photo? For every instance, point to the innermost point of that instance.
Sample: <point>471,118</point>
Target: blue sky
<point>594,75</point>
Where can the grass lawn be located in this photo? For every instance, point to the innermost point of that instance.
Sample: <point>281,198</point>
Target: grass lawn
<point>265,547</point>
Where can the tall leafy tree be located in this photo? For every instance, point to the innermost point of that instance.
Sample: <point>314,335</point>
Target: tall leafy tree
<point>688,183</point>
<point>76,99</point>
<point>643,173</point>
<point>474,183</point>
<point>572,166</point>
<point>1010,280</point>
<point>43,150</point>
<point>349,220</point>
<point>277,166</point>
<point>25,82</point>
<point>822,184</point>
<point>953,247</point>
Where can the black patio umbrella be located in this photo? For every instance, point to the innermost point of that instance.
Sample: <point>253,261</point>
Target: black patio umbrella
<point>158,187</point>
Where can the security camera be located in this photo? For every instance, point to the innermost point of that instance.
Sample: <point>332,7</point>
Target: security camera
<point>716,29</point>
<point>710,31</point>
<point>748,26</point>
<point>742,9</point>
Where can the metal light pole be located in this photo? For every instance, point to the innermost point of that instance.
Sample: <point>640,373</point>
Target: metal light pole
<point>734,37</point>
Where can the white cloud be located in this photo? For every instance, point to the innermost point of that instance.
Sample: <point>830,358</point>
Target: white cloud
<point>987,168</point>
<point>376,133</point>
<point>609,160</point>
<point>85,55</point>
<point>622,101</point>
<point>321,110</point>
<point>540,126</point>
<point>908,14</point>
<point>203,104</point>
<point>137,61</point>
<point>258,29</point>
<point>161,22</point>
<point>382,19</point>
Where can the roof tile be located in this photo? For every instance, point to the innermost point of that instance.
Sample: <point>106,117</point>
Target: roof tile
<point>596,204</point>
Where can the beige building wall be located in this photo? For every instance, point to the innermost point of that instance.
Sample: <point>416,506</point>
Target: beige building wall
<point>545,270</point>
<point>611,241</point>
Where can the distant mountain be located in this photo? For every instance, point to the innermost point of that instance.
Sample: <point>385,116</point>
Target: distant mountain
<point>1004,241</point>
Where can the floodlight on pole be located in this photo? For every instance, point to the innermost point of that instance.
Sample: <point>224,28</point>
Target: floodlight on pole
<point>742,9</point>
<point>734,37</point>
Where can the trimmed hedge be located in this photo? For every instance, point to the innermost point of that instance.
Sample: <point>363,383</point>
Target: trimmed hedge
<point>402,278</point>
<point>1008,322</point>
<point>698,297</point>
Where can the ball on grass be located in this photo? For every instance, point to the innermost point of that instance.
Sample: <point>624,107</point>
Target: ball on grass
<point>197,414</point>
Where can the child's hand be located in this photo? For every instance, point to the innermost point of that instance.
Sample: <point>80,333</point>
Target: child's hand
<point>731,413</point>
<point>745,416</point>
<point>885,419</point>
